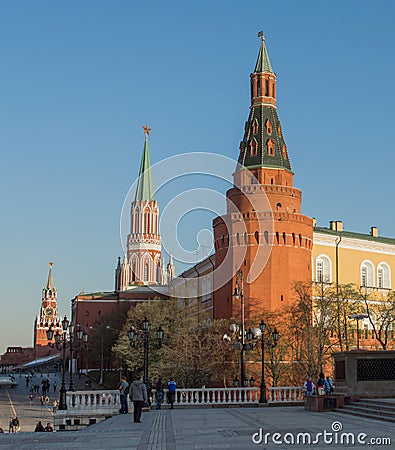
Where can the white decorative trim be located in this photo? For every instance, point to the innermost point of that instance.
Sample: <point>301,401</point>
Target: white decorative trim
<point>353,244</point>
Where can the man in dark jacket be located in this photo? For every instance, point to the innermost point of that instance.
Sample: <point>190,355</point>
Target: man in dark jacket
<point>123,390</point>
<point>138,395</point>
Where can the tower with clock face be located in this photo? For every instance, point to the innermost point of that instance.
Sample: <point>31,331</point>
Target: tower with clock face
<point>48,316</point>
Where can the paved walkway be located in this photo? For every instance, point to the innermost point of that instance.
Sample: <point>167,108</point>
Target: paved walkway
<point>187,429</point>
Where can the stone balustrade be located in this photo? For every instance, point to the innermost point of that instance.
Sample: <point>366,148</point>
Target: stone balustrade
<point>89,407</point>
<point>285,394</point>
<point>212,396</point>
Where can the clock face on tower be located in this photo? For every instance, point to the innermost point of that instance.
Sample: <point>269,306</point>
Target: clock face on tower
<point>49,311</point>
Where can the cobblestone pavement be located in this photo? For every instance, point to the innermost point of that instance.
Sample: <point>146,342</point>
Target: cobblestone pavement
<point>216,428</point>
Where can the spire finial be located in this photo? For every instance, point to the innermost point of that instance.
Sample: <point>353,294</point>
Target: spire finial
<point>146,129</point>
<point>261,35</point>
<point>50,263</point>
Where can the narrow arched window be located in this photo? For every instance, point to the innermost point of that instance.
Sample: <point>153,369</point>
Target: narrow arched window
<point>256,235</point>
<point>253,147</point>
<point>323,269</point>
<point>380,278</point>
<point>147,222</point>
<point>364,276</point>
<point>146,271</point>
<point>134,271</point>
<point>254,127</point>
<point>367,274</point>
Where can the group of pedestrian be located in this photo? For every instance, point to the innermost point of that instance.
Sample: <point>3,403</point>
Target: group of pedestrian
<point>40,427</point>
<point>14,425</point>
<point>324,385</point>
<point>138,394</point>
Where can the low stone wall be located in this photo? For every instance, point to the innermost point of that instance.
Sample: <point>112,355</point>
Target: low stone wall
<point>320,403</point>
<point>364,373</point>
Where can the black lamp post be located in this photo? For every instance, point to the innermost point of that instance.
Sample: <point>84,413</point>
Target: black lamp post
<point>63,341</point>
<point>239,294</point>
<point>145,330</point>
<point>358,317</point>
<point>275,335</point>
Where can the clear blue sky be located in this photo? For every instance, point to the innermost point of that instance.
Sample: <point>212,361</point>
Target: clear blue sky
<point>80,78</point>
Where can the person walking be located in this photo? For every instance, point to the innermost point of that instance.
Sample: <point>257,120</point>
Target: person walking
<point>172,386</point>
<point>320,384</point>
<point>309,386</point>
<point>138,395</point>
<point>160,388</point>
<point>124,391</point>
<point>16,424</point>
<point>11,425</point>
<point>328,385</point>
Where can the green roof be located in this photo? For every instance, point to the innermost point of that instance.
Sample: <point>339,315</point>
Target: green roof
<point>263,61</point>
<point>263,143</point>
<point>256,134</point>
<point>145,186</point>
<point>353,235</point>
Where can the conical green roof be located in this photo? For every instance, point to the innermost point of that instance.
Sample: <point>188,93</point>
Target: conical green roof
<point>270,148</point>
<point>263,61</point>
<point>145,186</point>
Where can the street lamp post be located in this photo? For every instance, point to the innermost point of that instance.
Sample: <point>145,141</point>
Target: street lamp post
<point>133,335</point>
<point>358,317</point>
<point>275,335</point>
<point>62,341</point>
<point>239,294</point>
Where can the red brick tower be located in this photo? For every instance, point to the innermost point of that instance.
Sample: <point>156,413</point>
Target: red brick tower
<point>48,317</point>
<point>263,233</point>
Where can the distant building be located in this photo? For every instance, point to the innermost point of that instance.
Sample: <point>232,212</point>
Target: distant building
<point>47,318</point>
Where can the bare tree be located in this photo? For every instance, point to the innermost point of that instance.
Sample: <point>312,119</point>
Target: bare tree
<point>381,314</point>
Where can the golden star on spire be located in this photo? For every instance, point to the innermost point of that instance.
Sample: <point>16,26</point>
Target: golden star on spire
<point>50,263</point>
<point>146,129</point>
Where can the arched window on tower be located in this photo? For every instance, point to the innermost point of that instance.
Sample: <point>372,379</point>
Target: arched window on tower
<point>254,127</point>
<point>258,87</point>
<point>146,271</point>
<point>269,127</point>
<point>136,218</point>
<point>253,147</point>
<point>147,221</point>
<point>284,151</point>
<point>270,147</point>
<point>267,88</point>
<point>134,268</point>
